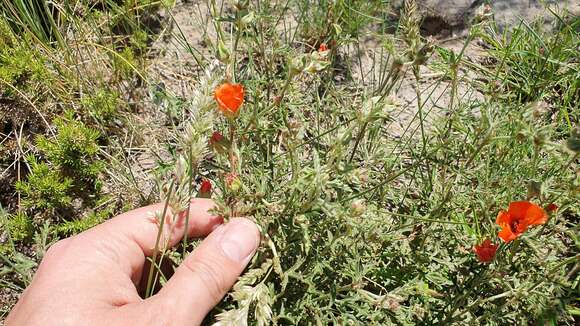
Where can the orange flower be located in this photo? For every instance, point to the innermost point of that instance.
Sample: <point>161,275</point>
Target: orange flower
<point>229,98</point>
<point>322,47</point>
<point>519,216</point>
<point>485,251</point>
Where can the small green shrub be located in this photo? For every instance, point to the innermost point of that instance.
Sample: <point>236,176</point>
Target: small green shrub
<point>13,228</point>
<point>45,187</point>
<point>534,64</point>
<point>124,63</point>
<point>74,151</point>
<point>72,168</point>
<point>19,226</point>
<point>103,105</point>
<point>7,38</point>
<point>20,64</point>
<point>138,41</point>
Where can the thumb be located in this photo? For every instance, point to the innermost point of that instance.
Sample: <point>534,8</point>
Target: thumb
<point>208,273</point>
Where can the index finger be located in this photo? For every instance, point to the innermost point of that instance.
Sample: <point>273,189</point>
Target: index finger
<point>130,237</point>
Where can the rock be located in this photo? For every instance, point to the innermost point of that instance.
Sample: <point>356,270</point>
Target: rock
<point>447,17</point>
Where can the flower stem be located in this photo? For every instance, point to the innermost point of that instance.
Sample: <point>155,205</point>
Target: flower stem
<point>149,289</point>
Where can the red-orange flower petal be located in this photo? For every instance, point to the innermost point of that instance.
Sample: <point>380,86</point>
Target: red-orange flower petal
<point>485,251</point>
<point>507,235</point>
<point>519,216</point>
<point>229,98</point>
<point>322,47</point>
<point>530,213</point>
<point>503,218</point>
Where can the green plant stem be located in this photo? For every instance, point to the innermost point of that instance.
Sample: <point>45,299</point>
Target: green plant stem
<point>358,139</point>
<point>149,289</point>
<point>416,73</point>
<point>190,189</point>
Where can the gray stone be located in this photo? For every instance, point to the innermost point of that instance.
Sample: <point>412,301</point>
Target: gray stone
<point>445,17</point>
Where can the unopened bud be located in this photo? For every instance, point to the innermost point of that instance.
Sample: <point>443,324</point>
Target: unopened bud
<point>551,208</point>
<point>204,189</point>
<point>223,54</point>
<point>233,182</point>
<point>247,19</point>
<point>297,65</point>
<point>219,143</point>
<point>358,207</point>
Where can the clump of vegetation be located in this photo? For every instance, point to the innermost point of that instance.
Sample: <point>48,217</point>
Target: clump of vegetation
<point>71,169</point>
<point>364,227</point>
<point>538,67</point>
<point>18,65</point>
<point>103,106</point>
<point>18,227</point>
<point>73,152</point>
<point>72,227</point>
<point>45,188</point>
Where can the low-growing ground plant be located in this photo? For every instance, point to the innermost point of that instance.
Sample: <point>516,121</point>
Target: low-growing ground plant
<point>466,214</point>
<point>360,227</point>
<point>45,188</point>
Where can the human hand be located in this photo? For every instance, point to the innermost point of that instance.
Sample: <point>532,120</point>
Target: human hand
<point>91,278</point>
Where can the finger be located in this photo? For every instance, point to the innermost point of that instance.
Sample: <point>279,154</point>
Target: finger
<point>128,238</point>
<point>210,271</point>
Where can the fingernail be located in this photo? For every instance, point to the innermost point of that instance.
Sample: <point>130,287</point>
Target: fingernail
<point>240,239</point>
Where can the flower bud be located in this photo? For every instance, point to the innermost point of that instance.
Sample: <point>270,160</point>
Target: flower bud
<point>315,66</point>
<point>219,143</point>
<point>551,208</point>
<point>485,251</point>
<point>483,14</point>
<point>247,19</point>
<point>223,54</point>
<point>297,65</point>
<point>233,182</point>
<point>358,207</point>
<point>204,189</point>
